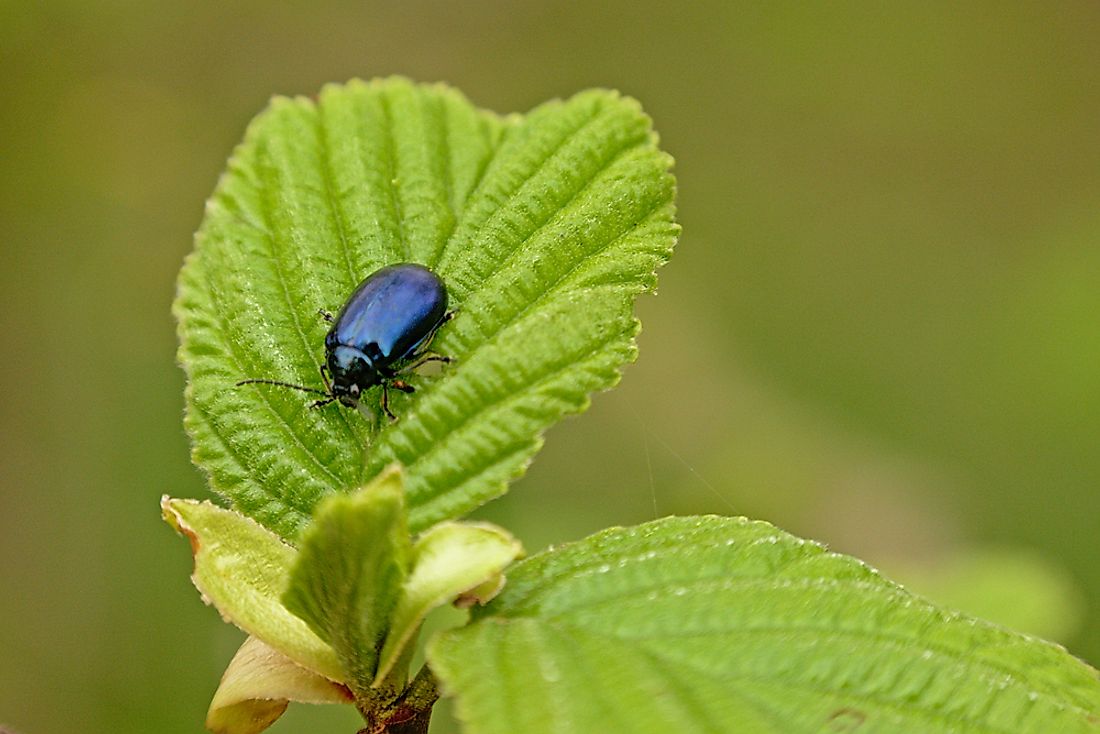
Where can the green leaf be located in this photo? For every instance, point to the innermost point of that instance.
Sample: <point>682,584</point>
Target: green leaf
<point>544,229</point>
<point>449,561</point>
<point>724,625</point>
<point>258,685</point>
<point>242,569</point>
<point>353,561</point>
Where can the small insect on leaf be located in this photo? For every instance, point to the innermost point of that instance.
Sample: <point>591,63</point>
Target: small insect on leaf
<point>383,330</point>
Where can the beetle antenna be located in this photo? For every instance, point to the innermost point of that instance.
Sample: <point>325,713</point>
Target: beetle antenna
<point>277,383</point>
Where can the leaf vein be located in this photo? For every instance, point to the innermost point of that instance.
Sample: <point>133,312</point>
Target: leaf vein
<point>207,417</point>
<point>900,642</point>
<point>698,708</point>
<point>588,566</point>
<point>233,353</point>
<point>439,109</point>
<point>339,216</point>
<point>664,662</point>
<point>518,187</point>
<point>522,240</point>
<point>392,162</point>
<point>551,290</point>
<point>278,253</point>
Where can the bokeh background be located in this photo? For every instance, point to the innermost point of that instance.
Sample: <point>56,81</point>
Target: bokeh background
<point>881,329</point>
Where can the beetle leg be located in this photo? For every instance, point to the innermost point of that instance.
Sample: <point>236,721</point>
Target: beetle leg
<point>396,385</point>
<point>329,318</point>
<point>386,402</point>
<point>425,357</point>
<point>324,378</point>
<point>402,386</point>
<point>321,403</point>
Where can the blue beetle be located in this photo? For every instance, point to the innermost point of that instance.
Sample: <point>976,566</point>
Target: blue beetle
<point>383,329</point>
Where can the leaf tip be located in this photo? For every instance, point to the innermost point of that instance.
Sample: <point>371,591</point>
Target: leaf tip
<point>170,510</point>
<point>388,485</point>
<point>481,594</point>
<point>392,474</point>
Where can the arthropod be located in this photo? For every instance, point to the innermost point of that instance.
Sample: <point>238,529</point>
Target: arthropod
<point>383,329</point>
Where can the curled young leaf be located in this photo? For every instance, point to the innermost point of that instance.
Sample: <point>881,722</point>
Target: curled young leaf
<point>242,569</point>
<point>449,561</point>
<point>258,685</point>
<point>348,576</point>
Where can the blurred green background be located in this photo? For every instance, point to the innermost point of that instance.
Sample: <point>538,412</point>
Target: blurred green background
<point>881,329</point>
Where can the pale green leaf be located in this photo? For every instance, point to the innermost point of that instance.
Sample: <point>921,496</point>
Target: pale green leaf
<point>449,560</point>
<point>242,569</point>
<point>724,625</point>
<point>353,561</point>
<point>543,227</point>
<point>258,685</point>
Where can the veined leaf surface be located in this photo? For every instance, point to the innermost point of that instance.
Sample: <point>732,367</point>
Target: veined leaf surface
<point>717,624</point>
<point>544,228</point>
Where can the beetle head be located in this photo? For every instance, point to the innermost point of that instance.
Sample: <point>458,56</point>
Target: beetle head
<point>352,373</point>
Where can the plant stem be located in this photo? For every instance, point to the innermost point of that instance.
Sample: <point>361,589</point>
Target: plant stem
<point>402,720</point>
<point>410,713</point>
<point>421,694</point>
